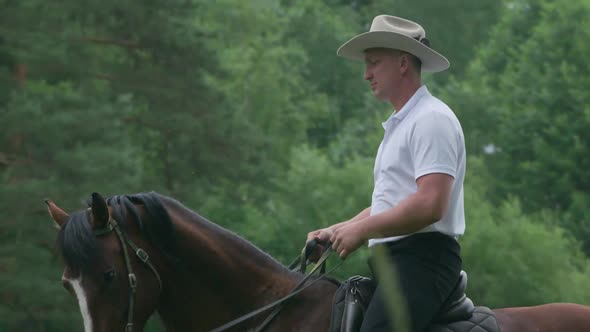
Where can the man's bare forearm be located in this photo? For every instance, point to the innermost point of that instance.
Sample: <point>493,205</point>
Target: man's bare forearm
<point>362,215</point>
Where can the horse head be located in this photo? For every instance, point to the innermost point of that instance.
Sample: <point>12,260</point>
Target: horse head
<point>115,289</point>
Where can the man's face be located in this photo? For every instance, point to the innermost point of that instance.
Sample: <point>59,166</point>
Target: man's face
<point>382,70</point>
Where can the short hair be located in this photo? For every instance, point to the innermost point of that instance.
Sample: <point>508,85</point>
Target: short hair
<point>416,62</point>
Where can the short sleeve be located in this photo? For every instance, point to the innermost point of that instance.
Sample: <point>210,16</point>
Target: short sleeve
<point>434,145</point>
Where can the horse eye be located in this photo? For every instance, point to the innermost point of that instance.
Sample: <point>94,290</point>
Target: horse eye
<point>109,275</point>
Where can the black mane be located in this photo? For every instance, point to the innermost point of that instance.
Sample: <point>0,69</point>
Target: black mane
<point>79,247</point>
<point>78,244</point>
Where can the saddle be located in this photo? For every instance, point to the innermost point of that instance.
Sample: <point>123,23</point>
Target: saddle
<point>457,314</point>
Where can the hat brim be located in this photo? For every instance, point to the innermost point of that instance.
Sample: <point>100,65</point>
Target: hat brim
<point>354,49</point>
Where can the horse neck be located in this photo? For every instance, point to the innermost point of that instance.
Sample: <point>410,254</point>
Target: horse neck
<point>225,276</point>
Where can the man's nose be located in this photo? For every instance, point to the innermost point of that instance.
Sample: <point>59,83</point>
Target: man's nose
<point>368,75</point>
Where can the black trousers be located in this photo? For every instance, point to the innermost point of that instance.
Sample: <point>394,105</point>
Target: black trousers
<point>428,267</point>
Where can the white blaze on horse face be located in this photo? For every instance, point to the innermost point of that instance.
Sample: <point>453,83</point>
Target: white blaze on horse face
<point>82,302</point>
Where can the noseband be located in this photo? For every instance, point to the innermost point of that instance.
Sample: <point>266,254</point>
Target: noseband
<point>112,225</point>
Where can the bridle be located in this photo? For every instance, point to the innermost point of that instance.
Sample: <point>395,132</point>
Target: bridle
<point>112,225</point>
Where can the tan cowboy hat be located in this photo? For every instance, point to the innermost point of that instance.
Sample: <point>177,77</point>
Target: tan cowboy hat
<point>396,33</point>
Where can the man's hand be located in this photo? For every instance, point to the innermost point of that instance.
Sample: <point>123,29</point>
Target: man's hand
<point>322,236</point>
<point>348,238</point>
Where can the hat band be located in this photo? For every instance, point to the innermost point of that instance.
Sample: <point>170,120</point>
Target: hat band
<point>424,41</point>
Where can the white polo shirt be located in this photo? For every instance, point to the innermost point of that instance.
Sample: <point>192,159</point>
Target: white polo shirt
<point>423,137</point>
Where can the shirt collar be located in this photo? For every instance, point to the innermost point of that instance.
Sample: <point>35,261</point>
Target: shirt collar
<point>408,106</point>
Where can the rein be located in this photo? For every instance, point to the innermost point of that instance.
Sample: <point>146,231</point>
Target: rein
<point>279,304</point>
<point>112,225</point>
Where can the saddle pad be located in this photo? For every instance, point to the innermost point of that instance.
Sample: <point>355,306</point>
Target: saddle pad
<point>482,320</point>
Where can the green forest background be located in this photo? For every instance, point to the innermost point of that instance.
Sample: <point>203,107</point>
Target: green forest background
<point>242,111</point>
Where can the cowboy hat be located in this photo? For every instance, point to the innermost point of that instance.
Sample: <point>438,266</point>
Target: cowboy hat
<point>395,33</point>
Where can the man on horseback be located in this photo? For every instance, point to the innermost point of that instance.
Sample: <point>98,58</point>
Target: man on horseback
<point>416,212</point>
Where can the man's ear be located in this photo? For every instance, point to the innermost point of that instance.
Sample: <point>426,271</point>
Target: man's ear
<point>405,62</point>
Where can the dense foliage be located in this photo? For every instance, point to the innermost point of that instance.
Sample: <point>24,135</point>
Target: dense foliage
<point>242,111</point>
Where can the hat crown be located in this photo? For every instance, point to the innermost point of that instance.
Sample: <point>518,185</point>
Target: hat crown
<point>398,25</point>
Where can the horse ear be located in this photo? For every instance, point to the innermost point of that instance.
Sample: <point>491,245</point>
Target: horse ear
<point>58,215</point>
<point>100,211</point>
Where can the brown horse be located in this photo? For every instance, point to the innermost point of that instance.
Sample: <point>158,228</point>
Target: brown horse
<point>130,256</point>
